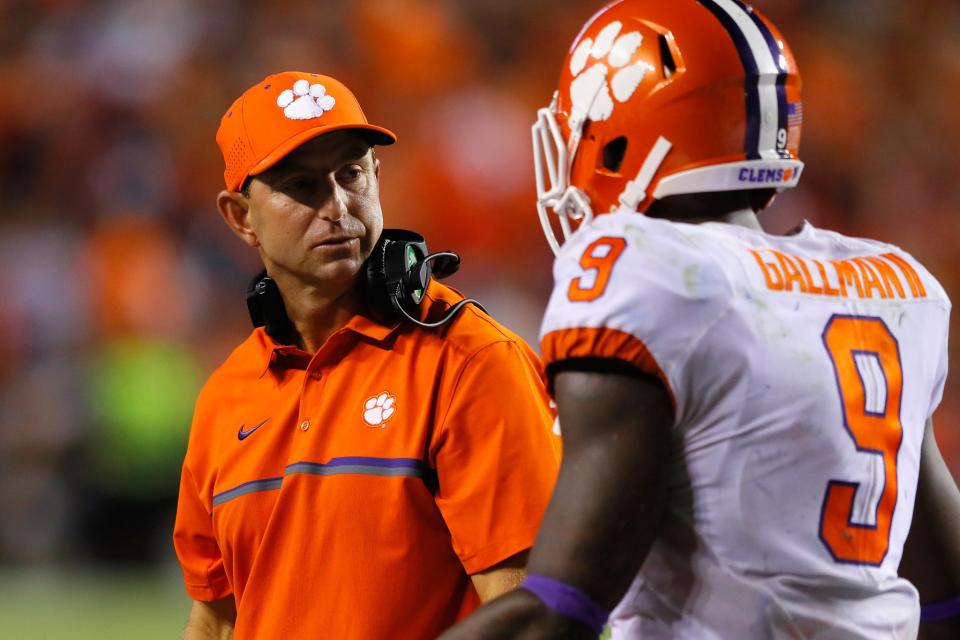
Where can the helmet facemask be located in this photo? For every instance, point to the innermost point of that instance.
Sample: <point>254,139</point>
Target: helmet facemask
<point>552,162</point>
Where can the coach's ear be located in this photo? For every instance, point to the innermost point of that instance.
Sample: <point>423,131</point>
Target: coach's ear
<point>234,208</point>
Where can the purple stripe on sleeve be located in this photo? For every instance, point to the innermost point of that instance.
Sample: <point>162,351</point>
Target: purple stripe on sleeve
<point>938,611</point>
<point>567,601</point>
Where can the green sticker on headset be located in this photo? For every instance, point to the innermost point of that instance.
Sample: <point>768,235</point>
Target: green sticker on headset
<point>411,259</point>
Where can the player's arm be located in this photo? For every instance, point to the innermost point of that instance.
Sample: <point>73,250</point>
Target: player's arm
<point>501,577</point>
<point>211,620</point>
<point>931,556</point>
<point>606,507</point>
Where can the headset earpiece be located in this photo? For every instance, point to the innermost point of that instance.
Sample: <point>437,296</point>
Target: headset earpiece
<point>417,279</point>
<point>398,273</point>
<point>395,280</point>
<point>392,274</point>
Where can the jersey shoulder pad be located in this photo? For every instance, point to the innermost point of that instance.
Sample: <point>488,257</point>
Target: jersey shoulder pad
<point>922,282</point>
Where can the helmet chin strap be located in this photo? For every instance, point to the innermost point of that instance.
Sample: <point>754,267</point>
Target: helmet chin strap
<point>574,203</point>
<point>636,190</point>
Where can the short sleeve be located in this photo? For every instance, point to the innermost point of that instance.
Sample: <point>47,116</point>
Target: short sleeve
<point>635,289</point>
<point>196,546</point>
<point>496,456</point>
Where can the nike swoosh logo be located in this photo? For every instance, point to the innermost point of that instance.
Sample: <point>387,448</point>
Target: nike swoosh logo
<point>243,434</point>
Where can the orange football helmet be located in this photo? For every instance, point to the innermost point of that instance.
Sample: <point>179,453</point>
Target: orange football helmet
<point>665,98</point>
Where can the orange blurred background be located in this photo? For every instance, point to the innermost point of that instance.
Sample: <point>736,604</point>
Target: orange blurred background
<point>122,288</point>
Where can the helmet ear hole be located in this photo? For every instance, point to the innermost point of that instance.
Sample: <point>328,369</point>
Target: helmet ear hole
<point>613,154</point>
<point>666,58</point>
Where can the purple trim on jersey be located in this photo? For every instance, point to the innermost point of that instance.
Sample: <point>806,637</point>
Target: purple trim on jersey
<point>780,62</point>
<point>254,486</point>
<point>359,466</point>
<point>939,611</point>
<point>345,465</point>
<point>886,400</point>
<point>367,461</point>
<point>856,485</point>
<point>567,601</point>
<point>751,145</point>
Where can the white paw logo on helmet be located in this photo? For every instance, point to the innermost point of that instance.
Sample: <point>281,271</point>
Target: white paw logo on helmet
<point>378,409</point>
<point>305,101</point>
<point>589,89</point>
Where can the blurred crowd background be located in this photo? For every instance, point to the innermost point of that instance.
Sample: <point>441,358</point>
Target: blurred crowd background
<point>122,289</point>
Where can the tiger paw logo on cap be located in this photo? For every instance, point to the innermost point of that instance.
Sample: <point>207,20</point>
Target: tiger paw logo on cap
<point>305,101</point>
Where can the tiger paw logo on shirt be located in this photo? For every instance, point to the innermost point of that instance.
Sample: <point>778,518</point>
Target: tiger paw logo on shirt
<point>378,409</point>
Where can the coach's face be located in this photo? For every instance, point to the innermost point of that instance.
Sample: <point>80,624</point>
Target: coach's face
<point>316,214</point>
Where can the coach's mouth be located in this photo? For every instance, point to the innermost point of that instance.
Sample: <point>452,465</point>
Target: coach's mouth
<point>337,240</point>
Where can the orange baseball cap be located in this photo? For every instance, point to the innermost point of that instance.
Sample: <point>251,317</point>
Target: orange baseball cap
<point>278,114</point>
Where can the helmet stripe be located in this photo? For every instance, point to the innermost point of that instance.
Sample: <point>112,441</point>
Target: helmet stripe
<point>765,91</point>
<point>752,142</point>
<point>781,63</point>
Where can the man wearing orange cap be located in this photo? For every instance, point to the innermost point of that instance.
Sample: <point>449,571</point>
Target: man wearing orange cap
<point>355,469</point>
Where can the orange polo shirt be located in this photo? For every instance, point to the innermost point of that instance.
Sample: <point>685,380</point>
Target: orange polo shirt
<point>351,494</point>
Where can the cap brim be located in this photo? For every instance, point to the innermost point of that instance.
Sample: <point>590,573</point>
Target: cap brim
<point>374,134</point>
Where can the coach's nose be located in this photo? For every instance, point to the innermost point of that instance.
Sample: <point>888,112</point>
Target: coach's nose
<point>334,205</point>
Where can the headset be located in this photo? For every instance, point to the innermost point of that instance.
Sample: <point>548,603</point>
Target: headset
<point>394,281</point>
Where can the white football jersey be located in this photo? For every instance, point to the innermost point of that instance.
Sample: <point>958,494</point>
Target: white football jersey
<point>802,369</point>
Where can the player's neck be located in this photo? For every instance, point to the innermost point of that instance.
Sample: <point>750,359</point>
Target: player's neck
<point>742,218</point>
<point>739,217</point>
<point>730,207</point>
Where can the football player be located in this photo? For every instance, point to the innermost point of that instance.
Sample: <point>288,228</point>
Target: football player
<point>746,417</point>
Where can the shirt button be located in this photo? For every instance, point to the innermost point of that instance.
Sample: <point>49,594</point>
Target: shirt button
<point>304,425</point>
<point>316,375</point>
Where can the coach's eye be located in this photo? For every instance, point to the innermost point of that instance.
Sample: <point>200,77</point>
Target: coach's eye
<point>353,172</point>
<point>299,184</point>
<point>351,175</point>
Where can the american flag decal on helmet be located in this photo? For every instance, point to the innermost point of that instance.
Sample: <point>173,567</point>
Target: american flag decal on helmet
<point>794,114</point>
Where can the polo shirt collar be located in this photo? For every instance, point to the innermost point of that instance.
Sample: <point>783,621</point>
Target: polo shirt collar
<point>370,328</point>
<point>280,355</point>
